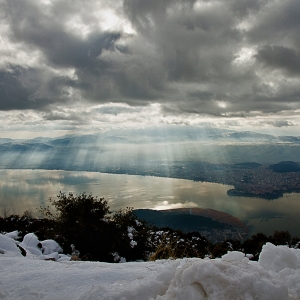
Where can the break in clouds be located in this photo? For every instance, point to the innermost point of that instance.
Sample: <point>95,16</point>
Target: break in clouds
<point>229,58</point>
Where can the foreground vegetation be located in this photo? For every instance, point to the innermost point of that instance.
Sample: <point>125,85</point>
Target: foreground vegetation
<point>86,222</point>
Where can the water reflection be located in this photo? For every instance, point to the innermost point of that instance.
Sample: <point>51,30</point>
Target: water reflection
<point>29,189</point>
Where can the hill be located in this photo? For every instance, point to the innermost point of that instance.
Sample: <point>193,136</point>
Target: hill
<point>285,166</point>
<point>212,224</point>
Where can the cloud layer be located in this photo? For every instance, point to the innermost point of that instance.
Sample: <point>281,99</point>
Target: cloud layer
<point>224,58</point>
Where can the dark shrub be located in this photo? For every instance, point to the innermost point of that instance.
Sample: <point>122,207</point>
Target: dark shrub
<point>281,238</point>
<point>83,220</point>
<point>254,244</point>
<point>80,220</point>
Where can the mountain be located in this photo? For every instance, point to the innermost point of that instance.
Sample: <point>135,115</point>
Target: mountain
<point>6,140</point>
<point>171,134</point>
<point>24,147</point>
<point>285,166</point>
<point>187,134</point>
<point>116,149</point>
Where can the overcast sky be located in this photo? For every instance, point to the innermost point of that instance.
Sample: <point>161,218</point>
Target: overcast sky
<point>70,65</point>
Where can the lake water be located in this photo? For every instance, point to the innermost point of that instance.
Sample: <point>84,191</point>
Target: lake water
<point>22,190</point>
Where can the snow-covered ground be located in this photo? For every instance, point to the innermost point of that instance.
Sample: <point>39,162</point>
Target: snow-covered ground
<point>275,276</point>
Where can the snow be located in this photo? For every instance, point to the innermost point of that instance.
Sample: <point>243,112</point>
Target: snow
<point>50,246</point>
<point>275,276</point>
<point>277,258</point>
<point>14,234</point>
<point>233,255</point>
<point>31,244</point>
<point>131,231</point>
<point>222,280</point>
<point>133,243</point>
<point>8,246</point>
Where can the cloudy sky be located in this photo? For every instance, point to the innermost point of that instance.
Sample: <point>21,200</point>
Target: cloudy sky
<point>84,66</point>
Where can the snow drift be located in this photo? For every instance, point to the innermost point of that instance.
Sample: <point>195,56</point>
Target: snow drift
<point>275,276</point>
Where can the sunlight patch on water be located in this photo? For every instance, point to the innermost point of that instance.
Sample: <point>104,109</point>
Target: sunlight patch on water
<point>166,205</point>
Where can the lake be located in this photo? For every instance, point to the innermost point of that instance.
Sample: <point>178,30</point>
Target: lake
<point>22,190</point>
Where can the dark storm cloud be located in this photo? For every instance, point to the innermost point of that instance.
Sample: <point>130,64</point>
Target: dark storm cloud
<point>28,88</point>
<point>277,23</point>
<point>188,40</point>
<point>214,57</point>
<point>245,7</point>
<point>118,77</point>
<point>280,57</point>
<point>15,94</point>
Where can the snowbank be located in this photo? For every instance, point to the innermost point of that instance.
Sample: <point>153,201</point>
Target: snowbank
<point>31,246</point>
<point>8,246</point>
<point>275,276</point>
<point>277,258</point>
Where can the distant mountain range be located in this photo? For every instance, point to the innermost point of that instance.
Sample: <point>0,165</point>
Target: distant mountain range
<point>157,135</point>
<point>115,149</point>
<point>24,147</point>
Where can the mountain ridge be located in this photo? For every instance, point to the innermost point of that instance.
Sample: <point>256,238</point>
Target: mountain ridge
<point>161,135</point>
